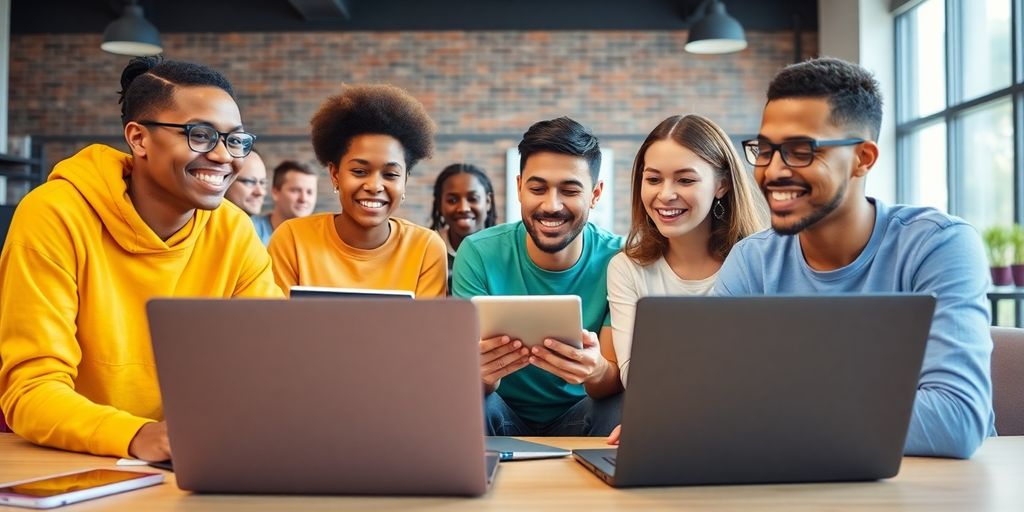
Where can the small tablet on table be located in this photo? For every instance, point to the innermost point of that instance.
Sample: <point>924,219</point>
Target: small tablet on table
<point>531,318</point>
<point>323,291</point>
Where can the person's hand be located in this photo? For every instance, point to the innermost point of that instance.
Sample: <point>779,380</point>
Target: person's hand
<point>613,438</point>
<point>571,364</point>
<point>150,443</point>
<point>501,356</point>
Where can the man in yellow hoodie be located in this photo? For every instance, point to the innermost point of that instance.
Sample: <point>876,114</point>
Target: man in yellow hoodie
<point>107,232</point>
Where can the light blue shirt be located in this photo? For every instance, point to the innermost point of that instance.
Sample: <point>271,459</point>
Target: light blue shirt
<point>263,228</point>
<point>914,250</point>
<point>494,262</point>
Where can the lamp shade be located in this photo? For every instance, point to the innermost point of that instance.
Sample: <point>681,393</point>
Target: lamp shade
<point>131,34</point>
<point>717,32</point>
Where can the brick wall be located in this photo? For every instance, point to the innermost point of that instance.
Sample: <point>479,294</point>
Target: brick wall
<point>482,88</point>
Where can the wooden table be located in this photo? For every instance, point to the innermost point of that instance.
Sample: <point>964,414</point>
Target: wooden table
<point>992,480</point>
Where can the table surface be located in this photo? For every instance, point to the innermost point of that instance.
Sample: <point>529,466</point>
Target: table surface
<point>992,480</point>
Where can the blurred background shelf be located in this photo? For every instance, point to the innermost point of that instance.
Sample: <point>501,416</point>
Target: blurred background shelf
<point>18,175</point>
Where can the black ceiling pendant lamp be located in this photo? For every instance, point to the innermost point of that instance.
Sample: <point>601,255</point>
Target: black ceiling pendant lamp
<point>713,31</point>
<point>131,34</point>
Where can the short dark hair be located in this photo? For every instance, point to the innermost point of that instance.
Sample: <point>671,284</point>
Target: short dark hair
<point>851,91</point>
<point>286,167</point>
<point>563,136</point>
<point>376,109</point>
<point>436,220</point>
<point>148,83</point>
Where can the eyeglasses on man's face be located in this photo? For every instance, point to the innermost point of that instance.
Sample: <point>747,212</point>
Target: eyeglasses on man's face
<point>794,153</point>
<point>252,182</point>
<point>203,138</point>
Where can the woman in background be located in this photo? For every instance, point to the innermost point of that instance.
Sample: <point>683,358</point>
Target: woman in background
<point>463,205</point>
<point>369,137</point>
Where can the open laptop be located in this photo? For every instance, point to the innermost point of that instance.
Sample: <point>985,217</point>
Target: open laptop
<point>322,396</point>
<point>735,390</point>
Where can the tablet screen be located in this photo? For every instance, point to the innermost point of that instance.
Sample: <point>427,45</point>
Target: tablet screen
<point>319,291</point>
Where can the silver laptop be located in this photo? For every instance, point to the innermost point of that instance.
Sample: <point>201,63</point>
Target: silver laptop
<point>736,390</point>
<point>322,396</point>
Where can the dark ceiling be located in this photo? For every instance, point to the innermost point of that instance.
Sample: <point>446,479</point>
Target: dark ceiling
<point>91,16</point>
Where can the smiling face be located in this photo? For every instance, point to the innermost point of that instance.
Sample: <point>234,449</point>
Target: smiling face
<point>678,189</point>
<point>800,197</point>
<point>464,204</point>
<point>370,178</point>
<point>168,171</point>
<point>556,194</point>
<point>297,195</point>
<point>250,185</point>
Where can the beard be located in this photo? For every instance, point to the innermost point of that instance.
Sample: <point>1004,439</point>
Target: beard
<point>815,216</point>
<point>555,246</point>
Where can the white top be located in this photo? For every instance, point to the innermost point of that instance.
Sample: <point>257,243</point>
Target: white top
<point>443,231</point>
<point>627,282</point>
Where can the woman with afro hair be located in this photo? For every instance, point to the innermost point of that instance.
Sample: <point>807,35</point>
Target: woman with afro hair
<point>369,137</point>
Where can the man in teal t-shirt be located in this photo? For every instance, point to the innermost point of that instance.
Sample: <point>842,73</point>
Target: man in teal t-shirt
<point>552,390</point>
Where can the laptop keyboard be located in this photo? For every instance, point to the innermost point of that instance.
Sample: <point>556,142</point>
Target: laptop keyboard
<point>609,459</point>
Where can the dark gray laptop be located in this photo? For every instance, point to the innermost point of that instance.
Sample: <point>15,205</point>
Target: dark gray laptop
<point>736,390</point>
<point>322,396</point>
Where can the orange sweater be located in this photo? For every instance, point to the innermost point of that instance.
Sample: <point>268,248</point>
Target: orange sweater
<point>308,251</point>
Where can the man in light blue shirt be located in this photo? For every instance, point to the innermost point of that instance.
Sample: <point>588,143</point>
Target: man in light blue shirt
<point>814,151</point>
<point>248,191</point>
<point>553,390</point>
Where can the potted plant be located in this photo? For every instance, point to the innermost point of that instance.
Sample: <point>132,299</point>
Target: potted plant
<point>1017,268</point>
<point>998,241</point>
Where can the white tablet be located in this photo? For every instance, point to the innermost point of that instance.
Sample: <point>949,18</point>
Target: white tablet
<point>531,318</point>
<point>323,291</point>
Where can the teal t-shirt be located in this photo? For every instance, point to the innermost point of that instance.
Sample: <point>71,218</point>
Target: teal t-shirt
<point>494,262</point>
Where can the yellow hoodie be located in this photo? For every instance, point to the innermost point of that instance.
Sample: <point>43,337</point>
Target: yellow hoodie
<point>76,271</point>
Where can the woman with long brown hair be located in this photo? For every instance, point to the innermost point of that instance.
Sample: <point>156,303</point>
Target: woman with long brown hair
<point>692,201</point>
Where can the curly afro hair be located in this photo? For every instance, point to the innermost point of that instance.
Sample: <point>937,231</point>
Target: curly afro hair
<point>376,109</point>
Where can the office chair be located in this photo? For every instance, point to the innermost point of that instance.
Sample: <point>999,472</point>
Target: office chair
<point>1008,380</point>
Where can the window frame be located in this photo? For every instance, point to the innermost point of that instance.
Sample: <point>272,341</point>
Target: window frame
<point>952,114</point>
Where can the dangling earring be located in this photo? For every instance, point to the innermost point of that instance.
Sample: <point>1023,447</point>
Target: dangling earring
<point>718,210</point>
<point>403,197</point>
<point>335,188</point>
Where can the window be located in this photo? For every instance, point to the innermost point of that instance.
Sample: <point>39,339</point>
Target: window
<point>923,38</point>
<point>926,174</point>
<point>957,124</point>
<point>986,163</point>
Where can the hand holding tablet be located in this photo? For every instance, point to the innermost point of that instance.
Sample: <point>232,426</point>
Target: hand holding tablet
<point>510,325</point>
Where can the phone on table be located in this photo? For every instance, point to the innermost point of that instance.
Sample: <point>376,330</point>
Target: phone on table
<point>66,488</point>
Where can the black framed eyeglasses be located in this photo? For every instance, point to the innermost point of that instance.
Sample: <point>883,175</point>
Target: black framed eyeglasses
<point>203,138</point>
<point>251,182</point>
<point>795,153</point>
